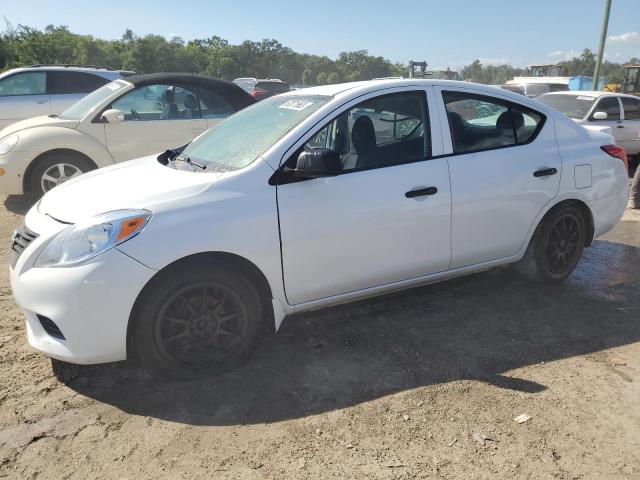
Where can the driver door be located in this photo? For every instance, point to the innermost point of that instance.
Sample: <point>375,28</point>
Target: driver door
<point>386,218</point>
<point>157,117</point>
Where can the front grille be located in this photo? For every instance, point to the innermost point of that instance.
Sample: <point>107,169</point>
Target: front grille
<point>50,327</point>
<point>20,240</point>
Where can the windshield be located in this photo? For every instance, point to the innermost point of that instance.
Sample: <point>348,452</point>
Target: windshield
<point>87,104</point>
<point>240,139</point>
<point>573,106</point>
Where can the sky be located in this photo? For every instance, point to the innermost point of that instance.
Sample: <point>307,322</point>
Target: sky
<point>442,32</point>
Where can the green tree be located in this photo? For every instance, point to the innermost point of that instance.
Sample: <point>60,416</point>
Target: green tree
<point>321,79</point>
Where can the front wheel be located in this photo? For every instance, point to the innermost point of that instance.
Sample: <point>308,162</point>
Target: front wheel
<point>556,247</point>
<point>56,168</point>
<point>198,320</point>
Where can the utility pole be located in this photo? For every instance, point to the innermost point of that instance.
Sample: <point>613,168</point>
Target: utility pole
<point>603,39</point>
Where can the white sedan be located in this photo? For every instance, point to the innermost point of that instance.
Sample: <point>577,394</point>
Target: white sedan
<point>301,201</point>
<point>127,118</point>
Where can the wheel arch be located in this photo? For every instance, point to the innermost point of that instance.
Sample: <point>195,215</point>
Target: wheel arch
<point>215,259</point>
<point>26,180</point>
<point>585,211</point>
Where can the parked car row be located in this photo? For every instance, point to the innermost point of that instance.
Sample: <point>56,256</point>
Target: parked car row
<point>299,201</point>
<point>128,118</point>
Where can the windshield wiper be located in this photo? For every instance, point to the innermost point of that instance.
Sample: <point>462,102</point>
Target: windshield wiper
<point>194,163</point>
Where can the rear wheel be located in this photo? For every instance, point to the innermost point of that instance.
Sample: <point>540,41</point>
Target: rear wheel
<point>556,247</point>
<point>56,168</point>
<point>197,321</point>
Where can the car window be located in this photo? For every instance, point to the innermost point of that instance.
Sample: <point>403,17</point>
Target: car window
<point>631,108</point>
<point>383,131</point>
<point>610,106</point>
<point>479,123</point>
<point>214,105</point>
<point>159,102</point>
<point>277,87</point>
<point>74,82</point>
<point>25,83</point>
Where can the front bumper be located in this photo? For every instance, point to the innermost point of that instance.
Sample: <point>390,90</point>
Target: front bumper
<point>90,303</point>
<point>14,165</point>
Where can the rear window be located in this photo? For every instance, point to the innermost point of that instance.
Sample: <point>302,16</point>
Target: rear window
<point>573,106</point>
<point>74,82</point>
<point>514,88</point>
<point>278,87</point>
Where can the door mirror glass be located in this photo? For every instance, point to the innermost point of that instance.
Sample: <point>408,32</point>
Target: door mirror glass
<point>317,163</point>
<point>600,116</point>
<point>113,115</point>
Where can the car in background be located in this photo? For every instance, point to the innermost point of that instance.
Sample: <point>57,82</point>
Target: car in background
<point>305,200</point>
<point>48,89</point>
<point>124,119</point>
<point>261,89</point>
<point>534,89</point>
<point>615,111</point>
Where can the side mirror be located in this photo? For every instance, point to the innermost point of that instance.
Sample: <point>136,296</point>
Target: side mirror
<point>600,116</point>
<point>317,163</point>
<point>113,115</point>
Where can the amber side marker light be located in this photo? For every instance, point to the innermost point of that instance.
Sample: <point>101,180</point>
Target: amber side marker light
<point>1,171</point>
<point>129,226</point>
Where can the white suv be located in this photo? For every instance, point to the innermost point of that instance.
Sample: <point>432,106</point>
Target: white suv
<point>48,89</point>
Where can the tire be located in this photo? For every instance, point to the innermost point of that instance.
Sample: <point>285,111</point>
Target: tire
<point>55,168</point>
<point>556,246</point>
<point>183,332</point>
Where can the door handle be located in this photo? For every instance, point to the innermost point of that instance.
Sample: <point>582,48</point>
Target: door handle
<point>40,101</point>
<point>545,172</point>
<point>620,126</point>
<point>420,192</point>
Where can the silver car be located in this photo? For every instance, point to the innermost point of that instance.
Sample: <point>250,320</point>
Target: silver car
<point>619,112</point>
<point>48,89</point>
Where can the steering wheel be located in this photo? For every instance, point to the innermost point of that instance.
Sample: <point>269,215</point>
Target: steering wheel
<point>135,114</point>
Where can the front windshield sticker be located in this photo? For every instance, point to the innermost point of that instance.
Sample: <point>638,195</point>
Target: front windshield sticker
<point>114,86</point>
<point>582,97</point>
<point>296,105</point>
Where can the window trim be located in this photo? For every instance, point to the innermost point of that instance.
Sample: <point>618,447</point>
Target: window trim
<point>277,177</point>
<point>506,103</point>
<point>46,83</point>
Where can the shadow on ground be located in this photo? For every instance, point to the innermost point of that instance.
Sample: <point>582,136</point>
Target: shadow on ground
<point>20,204</point>
<point>476,327</point>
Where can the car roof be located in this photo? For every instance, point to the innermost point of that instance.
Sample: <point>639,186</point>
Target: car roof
<point>229,90</point>
<point>590,93</point>
<point>95,70</point>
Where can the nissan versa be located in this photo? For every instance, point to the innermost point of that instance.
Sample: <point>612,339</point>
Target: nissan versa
<point>304,200</point>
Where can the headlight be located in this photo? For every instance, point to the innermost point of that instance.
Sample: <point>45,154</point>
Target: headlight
<point>7,144</point>
<point>80,242</point>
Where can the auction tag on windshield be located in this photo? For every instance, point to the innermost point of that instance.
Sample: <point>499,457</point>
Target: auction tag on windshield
<point>582,97</point>
<point>296,105</point>
<point>114,86</point>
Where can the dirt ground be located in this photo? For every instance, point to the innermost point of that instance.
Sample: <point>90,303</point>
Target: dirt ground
<point>403,386</point>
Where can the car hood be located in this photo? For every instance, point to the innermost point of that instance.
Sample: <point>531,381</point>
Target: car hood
<point>44,121</point>
<point>142,183</point>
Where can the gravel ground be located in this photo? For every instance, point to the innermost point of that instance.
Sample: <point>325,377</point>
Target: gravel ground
<point>420,384</point>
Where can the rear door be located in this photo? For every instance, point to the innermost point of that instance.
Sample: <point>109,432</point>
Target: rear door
<point>504,166</point>
<point>157,117</point>
<point>630,130</point>
<point>67,87</point>
<point>23,95</point>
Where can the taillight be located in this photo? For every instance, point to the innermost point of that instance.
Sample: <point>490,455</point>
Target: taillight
<point>259,93</point>
<point>616,152</point>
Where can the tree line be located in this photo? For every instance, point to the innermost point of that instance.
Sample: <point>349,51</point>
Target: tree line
<point>216,57</point>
